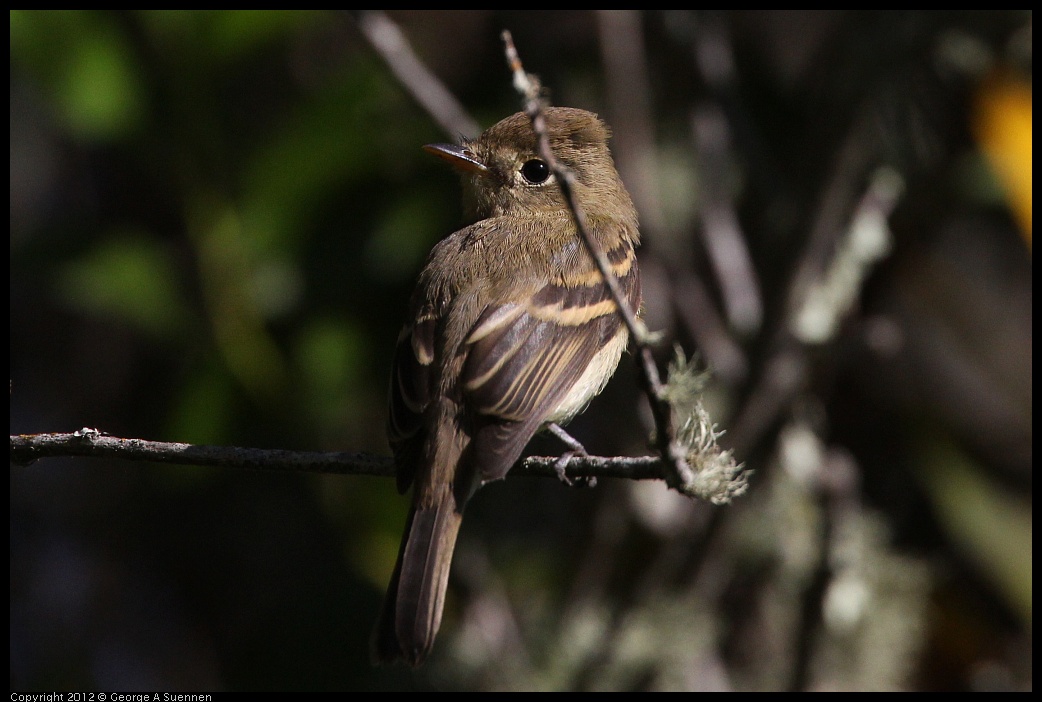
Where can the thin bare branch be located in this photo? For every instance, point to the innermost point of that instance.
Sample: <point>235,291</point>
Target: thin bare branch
<point>629,105</point>
<point>385,36</point>
<point>826,282</point>
<point>721,230</point>
<point>27,448</point>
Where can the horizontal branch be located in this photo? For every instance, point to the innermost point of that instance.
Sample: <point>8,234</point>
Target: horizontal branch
<point>27,448</point>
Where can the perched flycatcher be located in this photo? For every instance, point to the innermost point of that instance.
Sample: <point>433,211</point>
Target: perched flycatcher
<point>510,328</point>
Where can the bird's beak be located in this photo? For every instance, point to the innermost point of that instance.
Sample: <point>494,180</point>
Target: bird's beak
<point>460,157</point>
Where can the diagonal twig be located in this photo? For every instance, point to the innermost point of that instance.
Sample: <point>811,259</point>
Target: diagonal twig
<point>678,473</point>
<point>425,87</point>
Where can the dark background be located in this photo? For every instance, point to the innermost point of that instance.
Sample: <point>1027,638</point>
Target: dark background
<point>216,219</point>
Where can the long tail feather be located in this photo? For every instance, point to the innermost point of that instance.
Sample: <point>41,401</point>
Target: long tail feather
<point>412,608</point>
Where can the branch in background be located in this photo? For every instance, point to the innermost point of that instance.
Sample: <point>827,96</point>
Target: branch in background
<point>626,79</point>
<point>822,294</point>
<point>721,230</point>
<point>629,104</point>
<point>852,164</point>
<point>388,41</point>
<point>626,74</point>
<point>829,299</point>
<point>787,368</point>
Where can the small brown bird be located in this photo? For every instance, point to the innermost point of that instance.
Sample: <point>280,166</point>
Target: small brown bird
<point>510,328</point>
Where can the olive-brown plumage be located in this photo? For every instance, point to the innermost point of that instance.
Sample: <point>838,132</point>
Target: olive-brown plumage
<point>510,328</point>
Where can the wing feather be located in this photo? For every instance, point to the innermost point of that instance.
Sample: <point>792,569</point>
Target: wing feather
<point>521,359</point>
<point>523,362</point>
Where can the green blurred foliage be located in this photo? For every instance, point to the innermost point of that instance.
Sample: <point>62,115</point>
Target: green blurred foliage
<point>244,176</point>
<point>130,280</point>
<point>84,62</point>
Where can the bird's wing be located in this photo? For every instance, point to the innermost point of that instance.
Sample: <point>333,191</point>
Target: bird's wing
<point>523,358</point>
<point>411,393</point>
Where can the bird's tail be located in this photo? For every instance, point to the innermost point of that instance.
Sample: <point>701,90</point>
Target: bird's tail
<point>413,604</point>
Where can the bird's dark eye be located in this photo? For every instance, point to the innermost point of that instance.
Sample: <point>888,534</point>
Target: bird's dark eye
<point>535,171</point>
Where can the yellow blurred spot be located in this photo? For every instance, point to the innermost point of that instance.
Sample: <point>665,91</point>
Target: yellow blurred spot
<point>1002,123</point>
